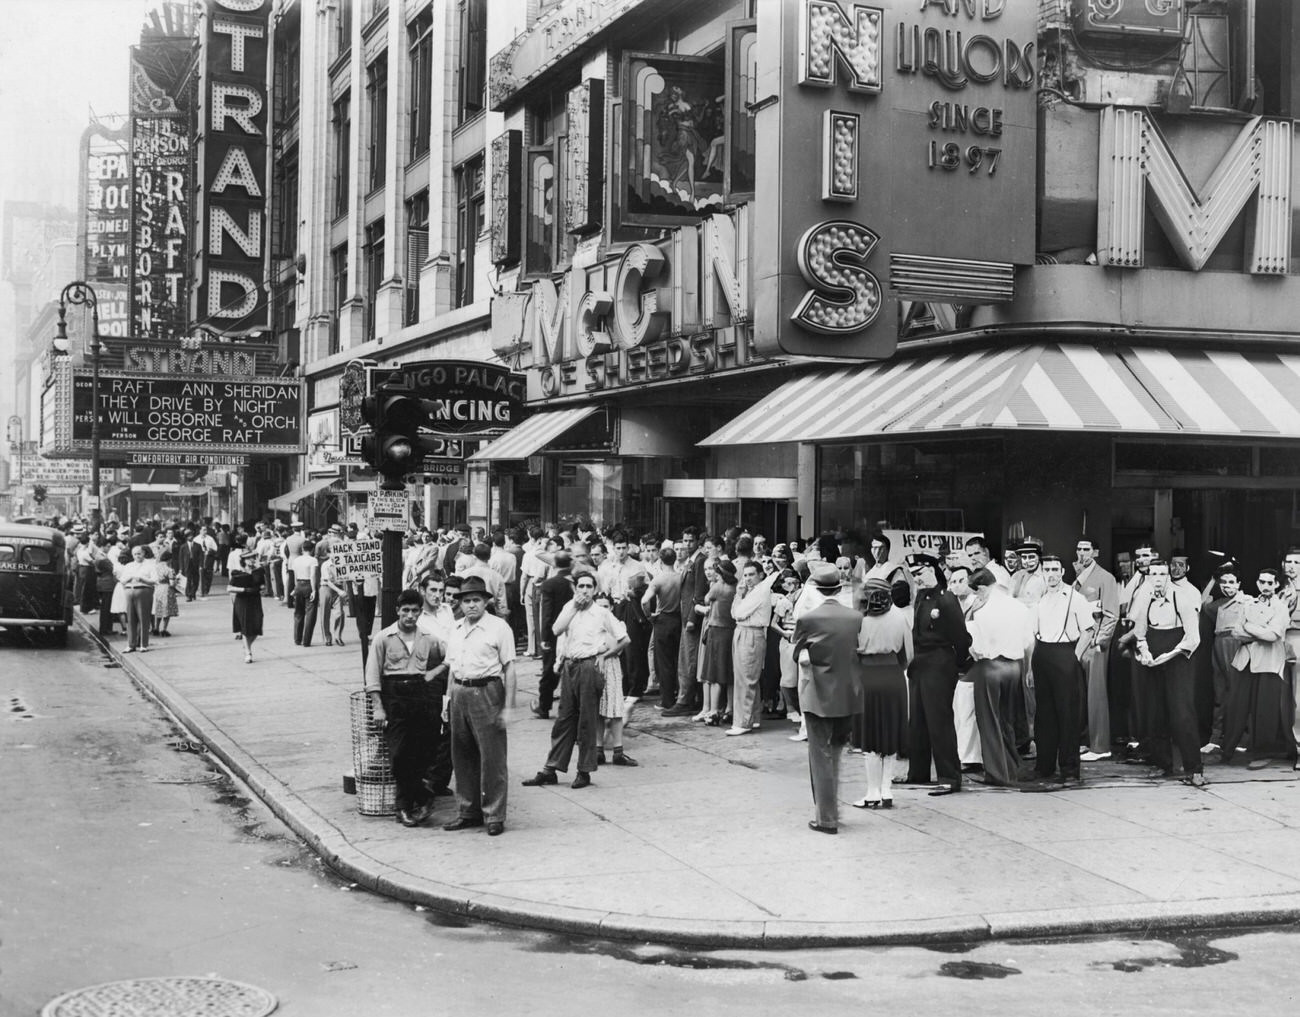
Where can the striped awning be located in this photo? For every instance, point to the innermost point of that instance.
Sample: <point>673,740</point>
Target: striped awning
<point>533,434</point>
<point>285,502</point>
<point>1046,387</point>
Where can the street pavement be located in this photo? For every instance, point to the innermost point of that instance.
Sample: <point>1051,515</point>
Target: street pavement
<point>706,842</point>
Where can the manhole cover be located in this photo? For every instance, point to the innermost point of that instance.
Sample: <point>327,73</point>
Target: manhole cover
<point>164,997</point>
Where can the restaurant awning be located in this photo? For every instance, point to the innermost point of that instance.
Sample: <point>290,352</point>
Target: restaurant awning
<point>533,434</point>
<point>1045,387</point>
<point>285,502</point>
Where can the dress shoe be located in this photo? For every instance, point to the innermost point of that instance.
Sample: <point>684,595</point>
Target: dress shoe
<point>581,780</point>
<point>1194,780</point>
<point>420,813</point>
<point>945,789</point>
<point>496,829</point>
<point>1210,746</point>
<point>867,803</point>
<point>814,825</point>
<point>1157,773</point>
<point>406,818</point>
<point>463,823</point>
<point>798,737</point>
<point>972,768</point>
<point>886,803</point>
<point>1257,764</point>
<point>677,711</point>
<point>623,759</point>
<point>1040,785</point>
<point>1093,757</point>
<point>731,732</point>
<point>535,708</point>
<point>543,777</point>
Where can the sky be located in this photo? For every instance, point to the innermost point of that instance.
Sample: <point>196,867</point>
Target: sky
<point>59,60</point>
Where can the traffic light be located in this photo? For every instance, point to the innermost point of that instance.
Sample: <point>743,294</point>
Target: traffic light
<point>394,447</point>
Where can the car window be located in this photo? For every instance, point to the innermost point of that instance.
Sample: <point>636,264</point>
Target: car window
<point>37,555</point>
<point>7,552</point>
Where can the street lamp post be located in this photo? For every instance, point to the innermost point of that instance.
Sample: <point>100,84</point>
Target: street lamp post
<point>81,293</point>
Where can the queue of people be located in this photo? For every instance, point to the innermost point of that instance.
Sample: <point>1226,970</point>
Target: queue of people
<point>936,670</point>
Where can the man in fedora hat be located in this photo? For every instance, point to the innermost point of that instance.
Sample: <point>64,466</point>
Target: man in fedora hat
<point>830,691</point>
<point>481,653</point>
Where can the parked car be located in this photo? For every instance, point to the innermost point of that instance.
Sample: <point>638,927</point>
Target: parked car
<point>34,589</point>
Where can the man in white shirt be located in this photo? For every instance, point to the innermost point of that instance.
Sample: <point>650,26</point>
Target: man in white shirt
<point>481,654</point>
<point>437,621</point>
<point>532,570</point>
<point>1260,663</point>
<point>1128,701</point>
<point>752,612</point>
<point>977,548</point>
<point>1166,629</point>
<point>591,636</point>
<point>1002,634</point>
<point>1062,619</point>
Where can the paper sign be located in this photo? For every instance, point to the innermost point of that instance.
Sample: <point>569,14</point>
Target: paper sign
<point>355,559</point>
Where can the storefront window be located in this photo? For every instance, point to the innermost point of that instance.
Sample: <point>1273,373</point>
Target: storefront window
<point>614,491</point>
<point>954,485</point>
<point>590,490</point>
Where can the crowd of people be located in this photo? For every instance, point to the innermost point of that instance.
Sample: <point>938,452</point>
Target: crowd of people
<point>935,669</point>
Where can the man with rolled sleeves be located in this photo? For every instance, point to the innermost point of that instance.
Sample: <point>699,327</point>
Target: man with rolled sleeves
<point>481,655</point>
<point>1166,630</point>
<point>591,635</point>
<point>401,675</point>
<point>1098,586</point>
<point>1228,612</point>
<point>1062,620</point>
<point>941,641</point>
<point>830,689</point>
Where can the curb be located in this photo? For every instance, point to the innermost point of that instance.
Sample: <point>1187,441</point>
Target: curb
<point>335,850</point>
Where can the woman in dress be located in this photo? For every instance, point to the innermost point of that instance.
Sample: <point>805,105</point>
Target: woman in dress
<point>716,670</point>
<point>885,649</point>
<point>117,607</point>
<point>245,588</point>
<point>164,595</point>
<point>783,627</point>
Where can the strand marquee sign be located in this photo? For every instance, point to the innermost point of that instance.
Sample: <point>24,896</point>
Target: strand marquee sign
<point>234,133</point>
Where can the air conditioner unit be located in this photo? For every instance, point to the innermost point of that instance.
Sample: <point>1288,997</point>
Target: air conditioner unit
<point>1102,19</point>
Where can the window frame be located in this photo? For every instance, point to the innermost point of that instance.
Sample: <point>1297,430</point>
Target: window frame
<point>341,123</point>
<point>377,128</point>
<point>420,78</point>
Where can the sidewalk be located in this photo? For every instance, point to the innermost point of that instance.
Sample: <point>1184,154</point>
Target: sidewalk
<point>706,842</point>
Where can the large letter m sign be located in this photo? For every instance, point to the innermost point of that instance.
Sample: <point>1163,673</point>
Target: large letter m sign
<point>1254,175</point>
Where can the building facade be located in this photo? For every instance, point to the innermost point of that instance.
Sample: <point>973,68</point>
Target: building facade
<point>380,251</point>
<point>956,266</point>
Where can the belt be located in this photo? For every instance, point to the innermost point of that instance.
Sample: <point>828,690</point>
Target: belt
<point>477,683</point>
<point>402,679</point>
<point>579,660</point>
<point>1056,642</point>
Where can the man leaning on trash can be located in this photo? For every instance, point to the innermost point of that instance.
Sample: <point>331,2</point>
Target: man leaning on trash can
<point>400,670</point>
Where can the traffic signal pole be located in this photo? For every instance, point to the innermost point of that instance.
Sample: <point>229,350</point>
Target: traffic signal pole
<point>393,448</point>
<point>391,577</point>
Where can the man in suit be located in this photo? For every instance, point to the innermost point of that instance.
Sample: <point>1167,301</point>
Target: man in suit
<point>1100,587</point>
<point>554,593</point>
<point>693,588</point>
<point>830,690</point>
